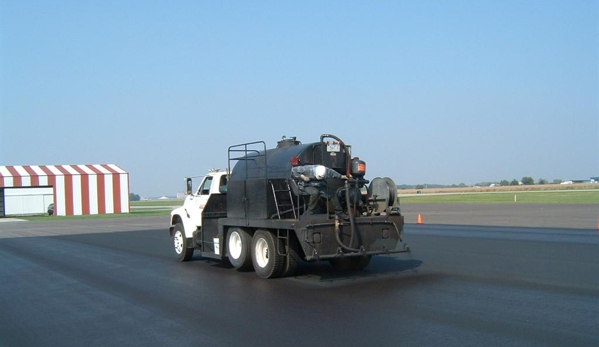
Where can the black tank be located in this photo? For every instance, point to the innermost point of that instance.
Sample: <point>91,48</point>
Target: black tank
<point>257,171</point>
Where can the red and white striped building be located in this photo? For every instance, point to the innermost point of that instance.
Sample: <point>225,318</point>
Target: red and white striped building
<point>76,189</point>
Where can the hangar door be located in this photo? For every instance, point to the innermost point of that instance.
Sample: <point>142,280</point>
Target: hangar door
<point>27,200</point>
<point>2,202</point>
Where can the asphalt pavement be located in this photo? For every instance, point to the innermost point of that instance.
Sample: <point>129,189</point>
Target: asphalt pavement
<point>115,282</point>
<point>565,216</point>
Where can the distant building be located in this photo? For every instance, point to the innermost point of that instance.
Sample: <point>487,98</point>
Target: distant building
<point>72,189</point>
<point>591,180</point>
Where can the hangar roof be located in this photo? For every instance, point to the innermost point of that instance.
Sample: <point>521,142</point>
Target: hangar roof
<point>37,175</point>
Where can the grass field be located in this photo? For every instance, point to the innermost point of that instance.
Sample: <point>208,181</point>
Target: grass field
<point>521,188</point>
<point>526,197</point>
<point>138,209</point>
<point>156,203</point>
<point>133,213</point>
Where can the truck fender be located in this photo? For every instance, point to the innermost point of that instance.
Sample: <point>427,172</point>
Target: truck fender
<point>188,225</point>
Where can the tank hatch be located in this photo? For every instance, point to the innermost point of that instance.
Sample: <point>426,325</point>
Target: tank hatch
<point>288,142</point>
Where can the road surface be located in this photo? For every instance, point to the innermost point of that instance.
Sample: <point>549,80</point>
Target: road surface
<point>115,282</point>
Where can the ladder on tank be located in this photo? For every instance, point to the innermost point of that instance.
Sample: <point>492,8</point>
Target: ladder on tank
<point>283,198</point>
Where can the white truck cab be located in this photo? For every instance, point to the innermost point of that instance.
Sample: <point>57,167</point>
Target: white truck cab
<point>189,216</point>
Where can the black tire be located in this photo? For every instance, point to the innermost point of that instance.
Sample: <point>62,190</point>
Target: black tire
<point>268,263</point>
<point>292,258</point>
<point>181,244</point>
<point>239,242</point>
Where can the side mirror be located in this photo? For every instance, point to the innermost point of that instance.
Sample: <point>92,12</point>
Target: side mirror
<point>189,185</point>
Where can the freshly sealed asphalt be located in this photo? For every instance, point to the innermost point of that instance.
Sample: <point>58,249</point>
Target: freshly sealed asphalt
<point>566,216</point>
<point>115,282</point>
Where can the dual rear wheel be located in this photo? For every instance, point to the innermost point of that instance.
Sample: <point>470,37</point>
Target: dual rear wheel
<point>238,248</point>
<point>267,260</point>
<point>263,251</point>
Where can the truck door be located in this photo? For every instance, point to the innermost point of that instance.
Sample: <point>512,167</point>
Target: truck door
<point>199,201</point>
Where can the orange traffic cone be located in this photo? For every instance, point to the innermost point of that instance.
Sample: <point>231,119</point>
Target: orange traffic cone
<point>419,221</point>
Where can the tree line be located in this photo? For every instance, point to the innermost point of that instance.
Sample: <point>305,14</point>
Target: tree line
<point>527,181</point>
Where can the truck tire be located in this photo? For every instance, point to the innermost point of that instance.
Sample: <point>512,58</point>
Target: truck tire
<point>181,246</point>
<point>360,263</point>
<point>239,242</point>
<point>268,263</point>
<point>292,258</point>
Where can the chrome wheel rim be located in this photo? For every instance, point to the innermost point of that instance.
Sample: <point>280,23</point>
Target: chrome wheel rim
<point>261,252</point>
<point>178,242</point>
<point>235,246</point>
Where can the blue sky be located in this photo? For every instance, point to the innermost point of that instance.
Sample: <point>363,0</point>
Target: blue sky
<point>425,91</point>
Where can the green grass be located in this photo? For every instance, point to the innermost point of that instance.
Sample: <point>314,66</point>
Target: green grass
<point>138,209</point>
<point>148,213</point>
<point>159,203</point>
<point>540,197</point>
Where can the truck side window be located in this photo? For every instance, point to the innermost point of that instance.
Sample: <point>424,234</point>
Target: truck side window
<point>205,188</point>
<point>222,187</point>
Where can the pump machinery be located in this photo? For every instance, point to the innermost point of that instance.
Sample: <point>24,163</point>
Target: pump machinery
<point>254,214</point>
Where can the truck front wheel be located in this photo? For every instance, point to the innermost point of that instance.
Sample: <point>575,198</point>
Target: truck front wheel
<point>239,242</point>
<point>268,263</point>
<point>182,251</point>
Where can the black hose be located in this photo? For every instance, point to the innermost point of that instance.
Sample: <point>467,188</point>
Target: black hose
<point>341,243</point>
<point>351,222</point>
<point>344,246</point>
<point>351,219</point>
<point>349,212</point>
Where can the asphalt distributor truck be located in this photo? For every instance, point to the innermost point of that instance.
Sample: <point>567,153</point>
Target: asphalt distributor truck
<point>254,214</point>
